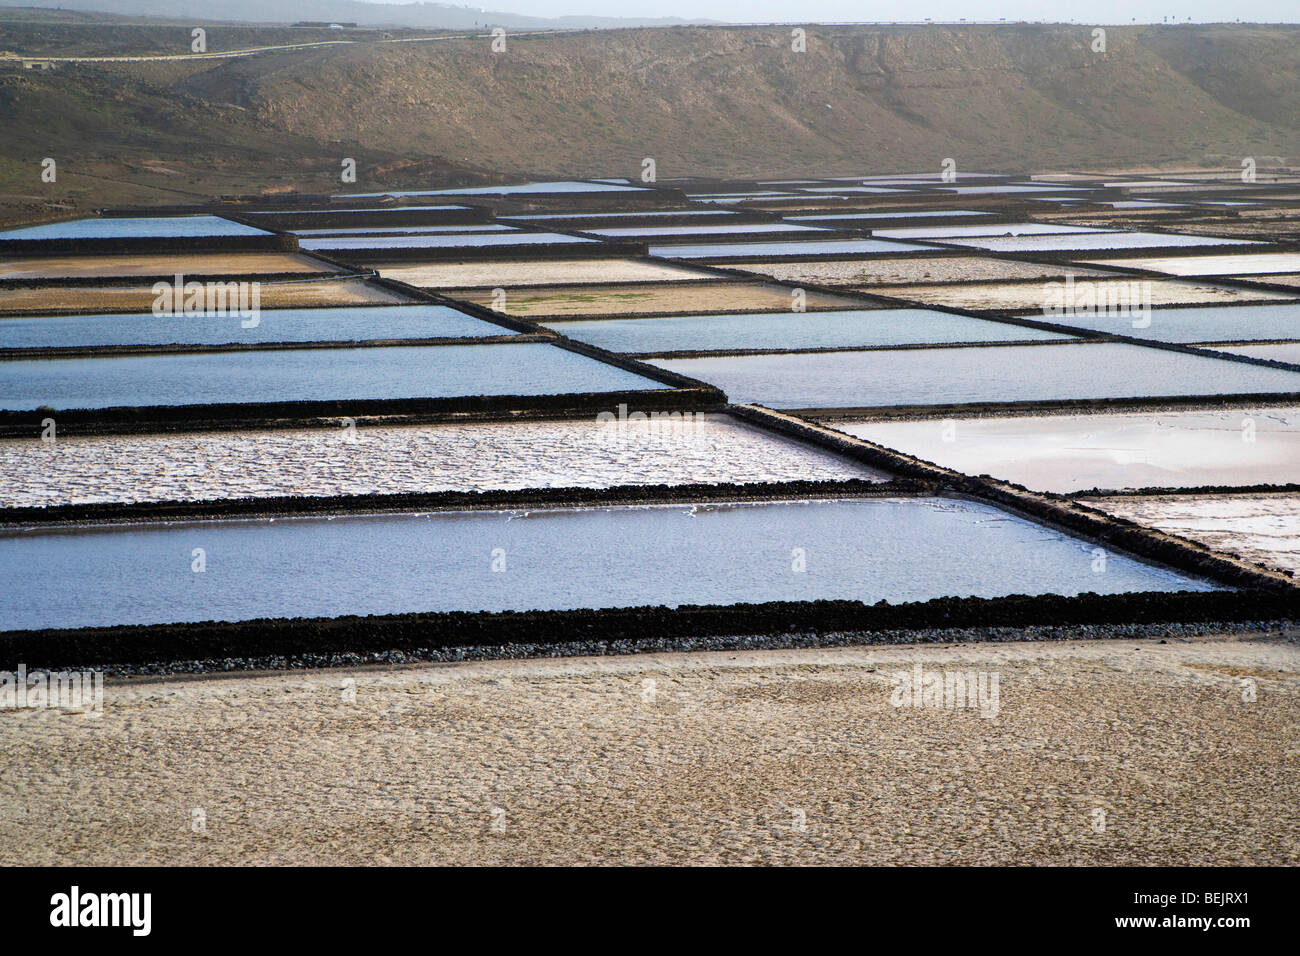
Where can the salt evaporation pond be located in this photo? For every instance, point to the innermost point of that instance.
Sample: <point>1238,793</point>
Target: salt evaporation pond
<point>1032,296</point>
<point>849,190</point>
<point>475,240</point>
<point>726,197</point>
<point>794,330</point>
<point>395,229</point>
<point>1274,352</point>
<point>509,273</point>
<point>360,324</point>
<point>991,229</point>
<point>654,232</point>
<point>1111,450</point>
<point>1264,529</point>
<point>1239,264</point>
<point>1211,324</point>
<point>831,247</point>
<point>992,373</point>
<point>670,449</point>
<point>726,213</point>
<point>910,549</point>
<point>296,375</point>
<point>331,211</point>
<point>151,227</point>
<point>1013,188</point>
<point>913,214</point>
<point>1076,242</point>
<point>523,189</point>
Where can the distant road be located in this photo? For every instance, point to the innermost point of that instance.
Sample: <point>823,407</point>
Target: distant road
<point>254,51</point>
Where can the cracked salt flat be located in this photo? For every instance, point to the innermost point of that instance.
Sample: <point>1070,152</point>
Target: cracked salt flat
<point>204,466</point>
<point>1264,529</point>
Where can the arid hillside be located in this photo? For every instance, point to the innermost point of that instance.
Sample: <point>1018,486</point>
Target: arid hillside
<point>700,101</point>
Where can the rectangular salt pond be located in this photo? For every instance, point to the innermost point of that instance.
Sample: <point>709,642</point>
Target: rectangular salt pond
<point>353,209</point>
<point>273,325</point>
<point>90,265</point>
<point>87,300</point>
<point>916,214</point>
<point>985,374</point>
<point>399,230</point>
<point>1264,529</point>
<point>1111,450</point>
<point>852,189</point>
<point>297,375</point>
<point>524,189</point>
<point>1277,352</point>
<point>511,273</point>
<point>867,549</point>
<point>1209,324</point>
<point>723,197</point>
<point>794,330</point>
<point>1143,204</point>
<point>992,229</point>
<point>928,177</point>
<point>1094,240</point>
<point>812,248</point>
<point>476,241</point>
<point>153,227</point>
<point>663,298</point>
<point>865,274</point>
<point>651,232</point>
<point>670,449</point>
<point>1242,264</point>
<point>1034,296</point>
<point>993,190</point>
<point>714,213</point>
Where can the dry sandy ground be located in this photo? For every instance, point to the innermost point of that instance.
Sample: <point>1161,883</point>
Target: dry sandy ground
<point>1101,752</point>
<point>141,298</point>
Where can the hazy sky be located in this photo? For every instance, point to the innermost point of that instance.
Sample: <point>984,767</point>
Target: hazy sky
<point>752,11</point>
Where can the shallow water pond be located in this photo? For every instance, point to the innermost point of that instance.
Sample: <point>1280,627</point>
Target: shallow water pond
<point>870,549</point>
<point>295,375</point>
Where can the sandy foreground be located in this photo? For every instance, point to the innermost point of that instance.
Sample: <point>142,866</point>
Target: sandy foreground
<point>1101,752</point>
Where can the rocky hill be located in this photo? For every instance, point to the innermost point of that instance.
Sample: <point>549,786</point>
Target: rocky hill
<point>699,100</point>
